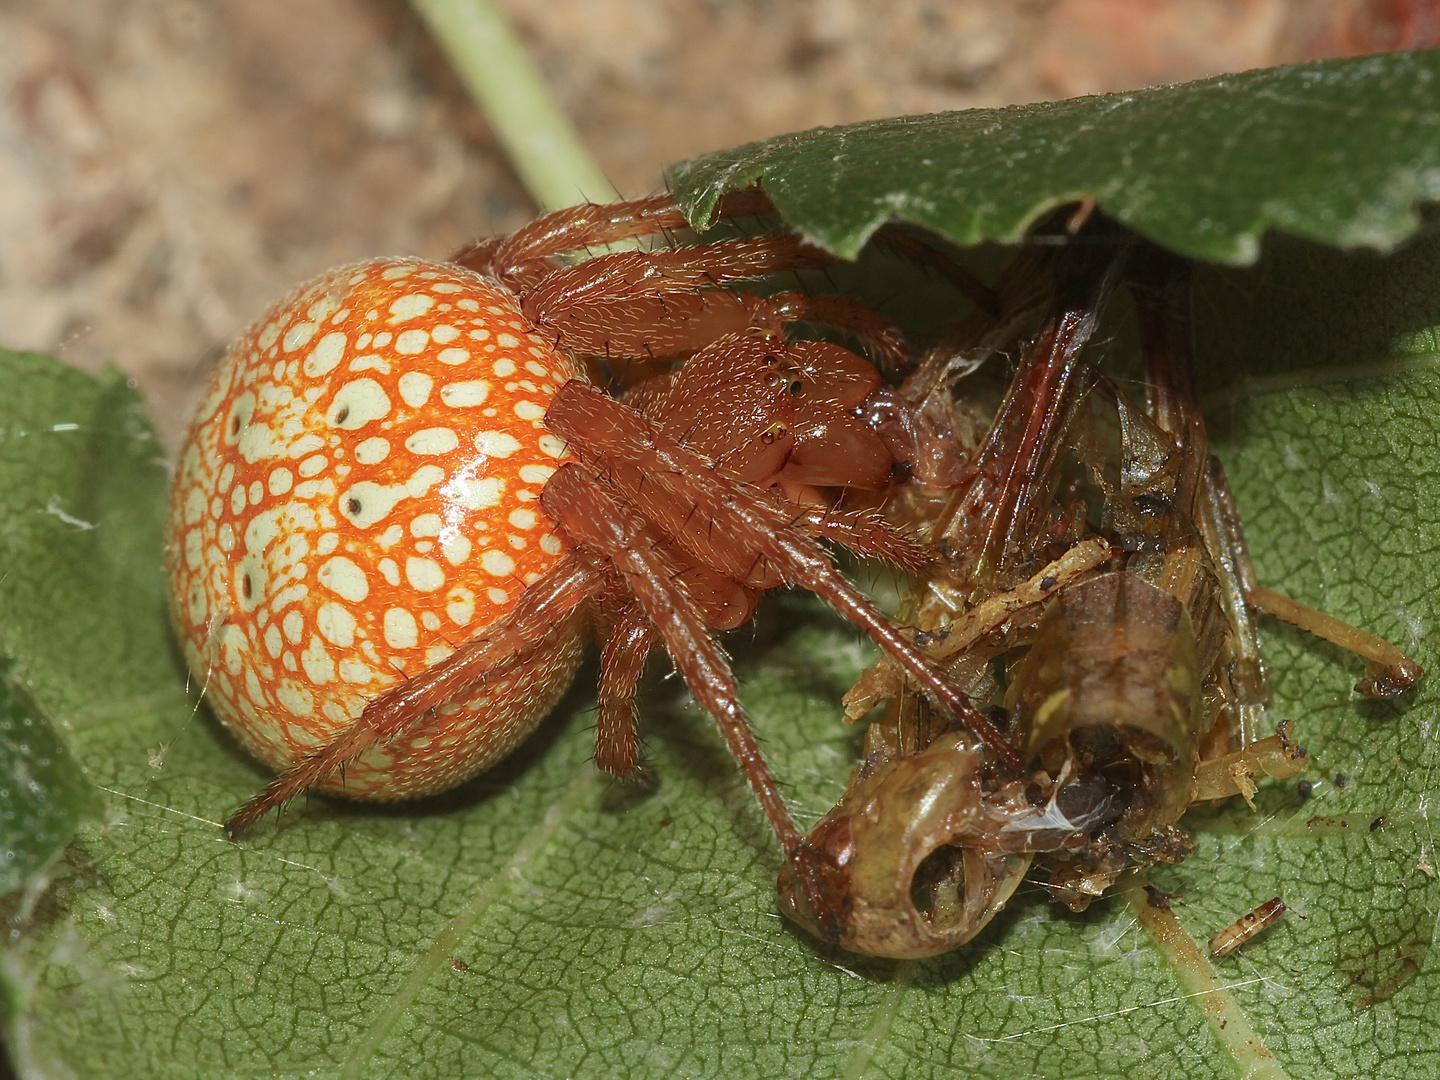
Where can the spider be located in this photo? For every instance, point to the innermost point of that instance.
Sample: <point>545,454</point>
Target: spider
<point>401,505</point>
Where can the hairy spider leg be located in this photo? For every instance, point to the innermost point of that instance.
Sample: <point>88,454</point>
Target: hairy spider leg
<point>919,252</point>
<point>543,605</point>
<point>617,749</point>
<point>667,303</point>
<point>526,251</point>
<point>599,522</point>
<point>601,430</point>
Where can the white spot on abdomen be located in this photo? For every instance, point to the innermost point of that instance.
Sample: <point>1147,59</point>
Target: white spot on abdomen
<point>345,579</point>
<point>194,548</point>
<point>426,525</point>
<point>372,451</point>
<point>456,549</point>
<point>464,395</point>
<point>439,440</point>
<point>368,503</point>
<point>355,670</point>
<point>461,606</point>
<point>473,493</point>
<point>295,698</point>
<point>357,403</point>
<point>424,575</point>
<point>497,563</point>
<point>410,306</point>
<point>415,387</point>
<point>317,662</point>
<point>298,335</point>
<point>326,355</point>
<point>401,630</point>
<point>500,444</point>
<point>336,624</point>
<point>412,342</point>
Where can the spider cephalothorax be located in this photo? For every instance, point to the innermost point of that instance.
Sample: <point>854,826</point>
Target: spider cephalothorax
<point>401,503</point>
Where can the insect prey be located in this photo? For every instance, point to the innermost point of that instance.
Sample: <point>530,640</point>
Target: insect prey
<point>1093,594</point>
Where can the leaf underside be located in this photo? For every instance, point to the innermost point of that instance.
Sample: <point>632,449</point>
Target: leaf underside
<point>544,921</point>
<point>1336,151</point>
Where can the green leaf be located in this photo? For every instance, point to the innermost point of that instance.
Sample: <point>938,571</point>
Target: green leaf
<point>55,494</point>
<point>43,792</point>
<point>542,921</point>
<point>1339,151</point>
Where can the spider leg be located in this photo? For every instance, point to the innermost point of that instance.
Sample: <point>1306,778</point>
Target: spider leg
<point>602,430</point>
<point>661,303</point>
<point>576,228</point>
<point>881,340</point>
<point>617,750</point>
<point>540,608</point>
<point>866,533</point>
<point>918,251</point>
<point>596,520</point>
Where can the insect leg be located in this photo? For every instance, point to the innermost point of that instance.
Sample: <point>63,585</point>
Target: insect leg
<point>1277,757</point>
<point>1389,672</point>
<point>1161,289</point>
<point>1018,458</point>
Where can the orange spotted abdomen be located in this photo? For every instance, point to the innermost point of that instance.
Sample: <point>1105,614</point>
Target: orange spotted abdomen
<point>358,495</point>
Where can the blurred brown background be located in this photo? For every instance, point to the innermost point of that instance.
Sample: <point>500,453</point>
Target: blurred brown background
<point>168,167</point>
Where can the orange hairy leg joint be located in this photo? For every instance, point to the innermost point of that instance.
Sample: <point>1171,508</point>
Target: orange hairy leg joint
<point>402,507</point>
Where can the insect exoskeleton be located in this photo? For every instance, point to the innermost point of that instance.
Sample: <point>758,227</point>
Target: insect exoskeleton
<point>1095,593</point>
<point>402,506</point>
<point>1246,927</point>
<point>358,494</point>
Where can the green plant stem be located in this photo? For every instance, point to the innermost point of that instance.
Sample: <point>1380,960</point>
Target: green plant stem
<point>553,164</point>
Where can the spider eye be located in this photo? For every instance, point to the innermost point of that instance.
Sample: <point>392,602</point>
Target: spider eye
<point>796,387</point>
